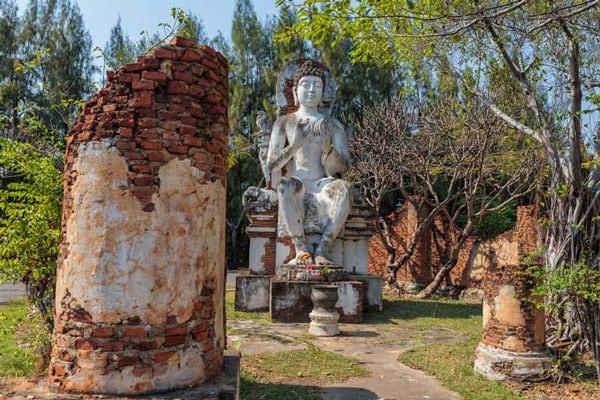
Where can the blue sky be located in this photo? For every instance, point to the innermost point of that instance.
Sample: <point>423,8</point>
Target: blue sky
<point>144,15</point>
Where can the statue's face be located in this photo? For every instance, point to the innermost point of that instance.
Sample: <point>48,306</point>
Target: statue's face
<point>309,91</point>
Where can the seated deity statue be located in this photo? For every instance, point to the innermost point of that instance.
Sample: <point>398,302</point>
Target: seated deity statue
<point>310,151</point>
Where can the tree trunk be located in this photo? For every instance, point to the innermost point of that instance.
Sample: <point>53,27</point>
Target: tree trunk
<point>448,265</point>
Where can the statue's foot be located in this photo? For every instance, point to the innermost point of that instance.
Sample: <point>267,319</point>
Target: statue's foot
<point>302,258</point>
<point>320,260</point>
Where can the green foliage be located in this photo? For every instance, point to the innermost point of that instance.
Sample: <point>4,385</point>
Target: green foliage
<point>119,50</point>
<point>30,210</point>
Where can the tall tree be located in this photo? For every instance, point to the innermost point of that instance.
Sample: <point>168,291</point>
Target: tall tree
<point>549,49</point>
<point>119,50</point>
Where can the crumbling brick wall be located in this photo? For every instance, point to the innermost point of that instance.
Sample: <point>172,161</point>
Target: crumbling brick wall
<point>139,298</point>
<point>474,258</point>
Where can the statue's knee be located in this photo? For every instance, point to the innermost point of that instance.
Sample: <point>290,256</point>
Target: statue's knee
<point>288,186</point>
<point>339,189</point>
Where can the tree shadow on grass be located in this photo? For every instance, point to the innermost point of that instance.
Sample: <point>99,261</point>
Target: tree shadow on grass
<point>407,309</point>
<point>251,390</point>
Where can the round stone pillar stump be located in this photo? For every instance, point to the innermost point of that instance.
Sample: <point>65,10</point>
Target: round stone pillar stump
<point>324,317</point>
<point>513,341</point>
<point>140,277</point>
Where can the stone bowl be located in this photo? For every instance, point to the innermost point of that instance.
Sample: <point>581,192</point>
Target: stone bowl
<point>324,297</point>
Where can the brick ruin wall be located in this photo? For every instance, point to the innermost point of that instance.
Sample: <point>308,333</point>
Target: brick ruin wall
<point>474,259</point>
<point>139,296</point>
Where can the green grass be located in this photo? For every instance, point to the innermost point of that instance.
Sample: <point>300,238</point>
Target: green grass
<point>450,364</point>
<point>267,375</point>
<point>232,314</point>
<point>14,361</point>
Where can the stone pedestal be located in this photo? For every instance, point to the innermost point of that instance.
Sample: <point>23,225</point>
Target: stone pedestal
<point>252,292</point>
<point>291,302</point>
<point>140,291</point>
<point>324,317</point>
<point>513,328</point>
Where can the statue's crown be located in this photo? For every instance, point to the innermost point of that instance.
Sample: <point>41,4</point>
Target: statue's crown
<point>309,68</point>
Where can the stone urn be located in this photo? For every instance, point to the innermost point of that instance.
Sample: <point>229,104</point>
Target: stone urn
<point>324,317</point>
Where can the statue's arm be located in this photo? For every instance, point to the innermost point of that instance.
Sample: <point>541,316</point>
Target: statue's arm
<point>337,159</point>
<point>279,154</point>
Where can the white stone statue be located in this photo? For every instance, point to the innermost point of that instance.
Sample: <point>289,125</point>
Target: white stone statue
<point>311,152</point>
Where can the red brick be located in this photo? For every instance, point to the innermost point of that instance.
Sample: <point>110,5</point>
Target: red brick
<point>126,78</point>
<point>143,180</point>
<point>142,169</point>
<point>193,141</point>
<point>126,122</point>
<point>57,370</point>
<point>196,91</point>
<point>198,69</point>
<point>103,331</point>
<point>213,99</point>
<point>218,109</point>
<point>144,192</point>
<point>151,145</point>
<point>126,132</point>
<point>205,83</point>
<point>109,108</point>
<point>212,148</point>
<point>207,346</point>
<point>133,155</point>
<point>171,319</point>
<point>178,149</point>
<point>133,67</point>
<point>182,42</point>
<point>183,76</point>
<point>209,63</point>
<point>83,344</point>
<point>110,75</point>
<point>148,134</point>
<point>121,145</point>
<point>157,156</point>
<point>124,361</point>
<point>65,356</point>
<point>142,99</point>
<point>177,88</point>
<point>201,336</point>
<point>160,357</point>
<point>114,346</point>
<point>145,346</point>
<point>155,76</point>
<point>169,125</point>
<point>176,331</point>
<point>148,62</point>
<point>165,53</point>
<point>174,340</point>
<point>191,55</point>
<point>143,85</point>
<point>201,327</point>
<point>191,121</point>
<point>136,332</point>
<point>168,116</point>
<point>208,50</point>
<point>170,136</point>
<point>178,66</point>
<point>147,123</point>
<point>187,130</point>
<point>202,157</point>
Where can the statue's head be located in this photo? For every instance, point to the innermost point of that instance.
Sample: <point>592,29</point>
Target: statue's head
<point>309,82</point>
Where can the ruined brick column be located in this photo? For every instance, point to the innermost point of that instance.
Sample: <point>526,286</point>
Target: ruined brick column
<point>139,292</point>
<point>513,328</point>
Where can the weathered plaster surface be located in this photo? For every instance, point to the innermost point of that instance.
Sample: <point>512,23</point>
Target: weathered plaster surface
<point>508,307</point>
<point>128,262</point>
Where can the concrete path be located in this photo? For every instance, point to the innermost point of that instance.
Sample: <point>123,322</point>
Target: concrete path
<point>378,349</point>
<point>11,291</point>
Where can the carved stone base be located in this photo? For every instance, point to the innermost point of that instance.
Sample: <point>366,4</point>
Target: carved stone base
<point>324,323</point>
<point>498,365</point>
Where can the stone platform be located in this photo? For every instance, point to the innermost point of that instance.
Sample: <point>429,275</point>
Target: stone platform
<point>290,300</point>
<point>225,387</point>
